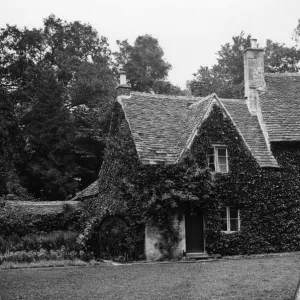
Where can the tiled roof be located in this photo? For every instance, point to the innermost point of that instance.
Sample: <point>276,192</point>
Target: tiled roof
<point>280,106</point>
<point>250,130</point>
<point>90,191</point>
<point>163,126</point>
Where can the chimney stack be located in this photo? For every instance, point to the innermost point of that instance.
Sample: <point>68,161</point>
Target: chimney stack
<point>253,43</point>
<point>254,75</point>
<point>123,88</point>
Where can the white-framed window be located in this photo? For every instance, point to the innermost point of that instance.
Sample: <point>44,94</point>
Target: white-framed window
<point>217,159</point>
<point>230,218</point>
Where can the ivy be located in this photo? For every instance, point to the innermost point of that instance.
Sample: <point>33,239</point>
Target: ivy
<point>269,199</point>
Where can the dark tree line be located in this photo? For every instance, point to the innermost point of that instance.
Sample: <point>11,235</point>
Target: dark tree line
<point>59,85</point>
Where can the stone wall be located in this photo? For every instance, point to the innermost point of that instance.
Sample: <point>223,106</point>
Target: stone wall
<point>152,237</point>
<point>43,207</point>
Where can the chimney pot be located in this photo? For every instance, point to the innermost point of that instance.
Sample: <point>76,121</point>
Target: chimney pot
<point>123,80</point>
<point>123,88</point>
<point>253,43</point>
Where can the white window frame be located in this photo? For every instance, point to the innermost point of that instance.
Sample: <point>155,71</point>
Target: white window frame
<point>216,147</point>
<point>228,220</point>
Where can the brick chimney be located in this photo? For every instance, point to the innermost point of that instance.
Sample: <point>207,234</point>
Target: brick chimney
<point>254,75</point>
<point>197,88</point>
<point>123,88</point>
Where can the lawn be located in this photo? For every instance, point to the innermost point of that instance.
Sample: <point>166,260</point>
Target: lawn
<point>256,278</point>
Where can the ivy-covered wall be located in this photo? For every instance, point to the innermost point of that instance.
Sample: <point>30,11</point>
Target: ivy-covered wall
<point>268,199</point>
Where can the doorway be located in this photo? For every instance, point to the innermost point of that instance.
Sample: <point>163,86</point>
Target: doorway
<point>194,232</point>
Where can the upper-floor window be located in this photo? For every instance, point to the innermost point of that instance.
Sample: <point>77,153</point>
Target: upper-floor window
<point>230,218</point>
<point>217,159</point>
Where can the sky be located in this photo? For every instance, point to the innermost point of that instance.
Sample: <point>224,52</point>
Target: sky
<point>190,32</point>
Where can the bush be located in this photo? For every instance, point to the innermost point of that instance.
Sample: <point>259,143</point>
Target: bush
<point>21,223</point>
<point>34,242</point>
<point>32,256</point>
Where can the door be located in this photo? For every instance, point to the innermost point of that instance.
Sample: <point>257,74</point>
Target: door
<point>194,232</point>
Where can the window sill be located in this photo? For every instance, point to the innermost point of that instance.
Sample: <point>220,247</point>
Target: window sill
<point>214,172</point>
<point>230,232</point>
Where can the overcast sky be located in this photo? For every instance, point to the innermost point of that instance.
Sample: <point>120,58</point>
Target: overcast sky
<point>189,31</point>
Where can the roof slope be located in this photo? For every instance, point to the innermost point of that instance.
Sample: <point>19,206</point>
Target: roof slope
<point>90,191</point>
<point>280,106</point>
<point>162,125</point>
<point>250,129</point>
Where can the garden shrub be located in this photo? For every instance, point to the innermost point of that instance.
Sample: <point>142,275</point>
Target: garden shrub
<point>16,221</point>
<point>40,255</point>
<point>34,242</point>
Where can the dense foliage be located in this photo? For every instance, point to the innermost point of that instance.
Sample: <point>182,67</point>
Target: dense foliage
<point>59,86</point>
<point>34,242</point>
<point>18,222</point>
<point>28,237</point>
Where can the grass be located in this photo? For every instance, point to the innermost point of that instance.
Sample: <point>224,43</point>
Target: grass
<point>257,278</point>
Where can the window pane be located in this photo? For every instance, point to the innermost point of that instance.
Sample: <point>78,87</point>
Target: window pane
<point>222,160</point>
<point>223,213</point>
<point>212,167</point>
<point>211,159</point>
<point>222,152</point>
<point>222,168</point>
<point>233,213</point>
<point>233,225</point>
<point>224,225</point>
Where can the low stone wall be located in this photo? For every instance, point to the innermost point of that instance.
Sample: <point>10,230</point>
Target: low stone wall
<point>43,207</point>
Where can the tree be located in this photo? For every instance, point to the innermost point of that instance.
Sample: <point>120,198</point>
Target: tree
<point>143,62</point>
<point>280,58</point>
<point>226,78</point>
<point>49,163</point>
<point>10,143</point>
<point>51,75</point>
<point>167,88</point>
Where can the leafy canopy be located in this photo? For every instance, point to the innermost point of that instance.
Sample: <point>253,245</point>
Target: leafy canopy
<point>226,78</point>
<point>145,66</point>
<point>60,86</point>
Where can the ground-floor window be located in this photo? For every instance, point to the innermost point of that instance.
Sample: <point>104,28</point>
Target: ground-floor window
<point>230,217</point>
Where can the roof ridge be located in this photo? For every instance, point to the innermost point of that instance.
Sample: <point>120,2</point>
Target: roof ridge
<point>210,96</point>
<point>168,97</point>
<point>232,99</point>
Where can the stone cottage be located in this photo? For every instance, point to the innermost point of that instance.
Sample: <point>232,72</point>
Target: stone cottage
<point>250,147</point>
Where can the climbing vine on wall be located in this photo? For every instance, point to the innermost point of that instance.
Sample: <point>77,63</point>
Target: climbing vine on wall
<point>269,200</point>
